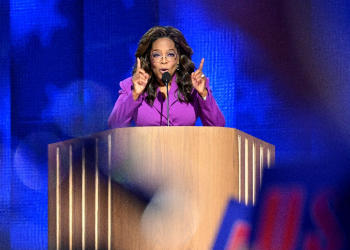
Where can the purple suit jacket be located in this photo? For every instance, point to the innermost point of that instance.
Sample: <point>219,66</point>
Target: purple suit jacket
<point>180,114</point>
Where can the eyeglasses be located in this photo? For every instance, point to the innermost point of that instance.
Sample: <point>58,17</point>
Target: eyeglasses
<point>157,57</point>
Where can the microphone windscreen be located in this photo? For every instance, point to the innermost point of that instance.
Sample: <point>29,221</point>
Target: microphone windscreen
<point>166,77</point>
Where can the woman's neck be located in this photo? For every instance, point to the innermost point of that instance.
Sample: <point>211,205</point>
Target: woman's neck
<point>162,89</point>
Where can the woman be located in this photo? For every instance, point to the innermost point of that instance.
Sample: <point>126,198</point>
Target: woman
<point>142,97</point>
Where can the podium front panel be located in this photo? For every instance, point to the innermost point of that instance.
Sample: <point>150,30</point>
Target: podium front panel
<point>150,187</point>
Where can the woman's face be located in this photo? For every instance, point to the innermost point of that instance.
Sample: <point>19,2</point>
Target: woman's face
<point>163,57</point>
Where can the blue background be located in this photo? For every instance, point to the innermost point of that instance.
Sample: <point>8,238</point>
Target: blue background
<point>279,71</point>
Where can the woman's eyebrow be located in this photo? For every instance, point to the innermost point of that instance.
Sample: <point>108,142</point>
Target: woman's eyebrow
<point>160,50</point>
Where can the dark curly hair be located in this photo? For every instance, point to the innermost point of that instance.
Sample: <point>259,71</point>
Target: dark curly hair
<point>186,66</point>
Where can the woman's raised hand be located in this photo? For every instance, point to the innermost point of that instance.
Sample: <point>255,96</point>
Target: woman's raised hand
<point>139,80</point>
<point>199,80</point>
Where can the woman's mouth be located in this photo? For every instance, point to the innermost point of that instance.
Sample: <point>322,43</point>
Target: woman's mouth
<point>163,70</point>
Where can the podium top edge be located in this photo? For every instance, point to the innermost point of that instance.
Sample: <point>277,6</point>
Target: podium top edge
<point>166,129</point>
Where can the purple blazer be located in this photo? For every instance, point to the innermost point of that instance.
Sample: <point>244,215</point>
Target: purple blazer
<point>180,113</point>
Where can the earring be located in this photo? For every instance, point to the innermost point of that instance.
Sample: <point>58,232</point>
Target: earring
<point>178,67</point>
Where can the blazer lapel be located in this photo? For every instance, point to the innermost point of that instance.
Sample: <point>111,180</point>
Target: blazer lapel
<point>159,103</point>
<point>172,93</point>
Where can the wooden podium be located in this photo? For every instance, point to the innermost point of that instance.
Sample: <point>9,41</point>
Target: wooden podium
<point>150,187</point>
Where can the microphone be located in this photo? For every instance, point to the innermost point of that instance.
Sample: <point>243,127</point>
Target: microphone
<point>166,77</point>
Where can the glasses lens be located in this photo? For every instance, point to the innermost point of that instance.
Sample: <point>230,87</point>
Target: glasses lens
<point>171,56</point>
<point>156,57</point>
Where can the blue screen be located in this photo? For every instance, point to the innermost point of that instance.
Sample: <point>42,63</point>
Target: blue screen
<point>279,71</point>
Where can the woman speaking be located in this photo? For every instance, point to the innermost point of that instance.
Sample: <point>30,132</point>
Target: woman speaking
<point>144,97</point>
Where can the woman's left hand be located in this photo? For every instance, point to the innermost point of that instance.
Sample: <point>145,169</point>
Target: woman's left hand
<point>199,80</point>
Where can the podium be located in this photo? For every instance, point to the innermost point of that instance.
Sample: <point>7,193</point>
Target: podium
<point>150,187</point>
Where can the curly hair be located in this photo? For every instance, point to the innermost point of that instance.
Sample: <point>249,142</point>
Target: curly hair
<point>186,66</point>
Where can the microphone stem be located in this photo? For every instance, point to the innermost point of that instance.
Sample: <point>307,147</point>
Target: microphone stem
<point>167,97</point>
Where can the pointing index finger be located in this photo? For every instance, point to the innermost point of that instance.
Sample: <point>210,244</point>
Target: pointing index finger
<point>138,66</point>
<point>201,64</point>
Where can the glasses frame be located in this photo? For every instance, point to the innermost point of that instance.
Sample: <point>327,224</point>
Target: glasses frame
<point>161,59</point>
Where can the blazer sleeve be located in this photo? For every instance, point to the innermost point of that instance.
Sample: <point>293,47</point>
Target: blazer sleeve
<point>124,107</point>
<point>209,112</point>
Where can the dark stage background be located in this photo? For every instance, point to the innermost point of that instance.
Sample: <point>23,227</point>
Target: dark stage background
<point>279,71</point>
